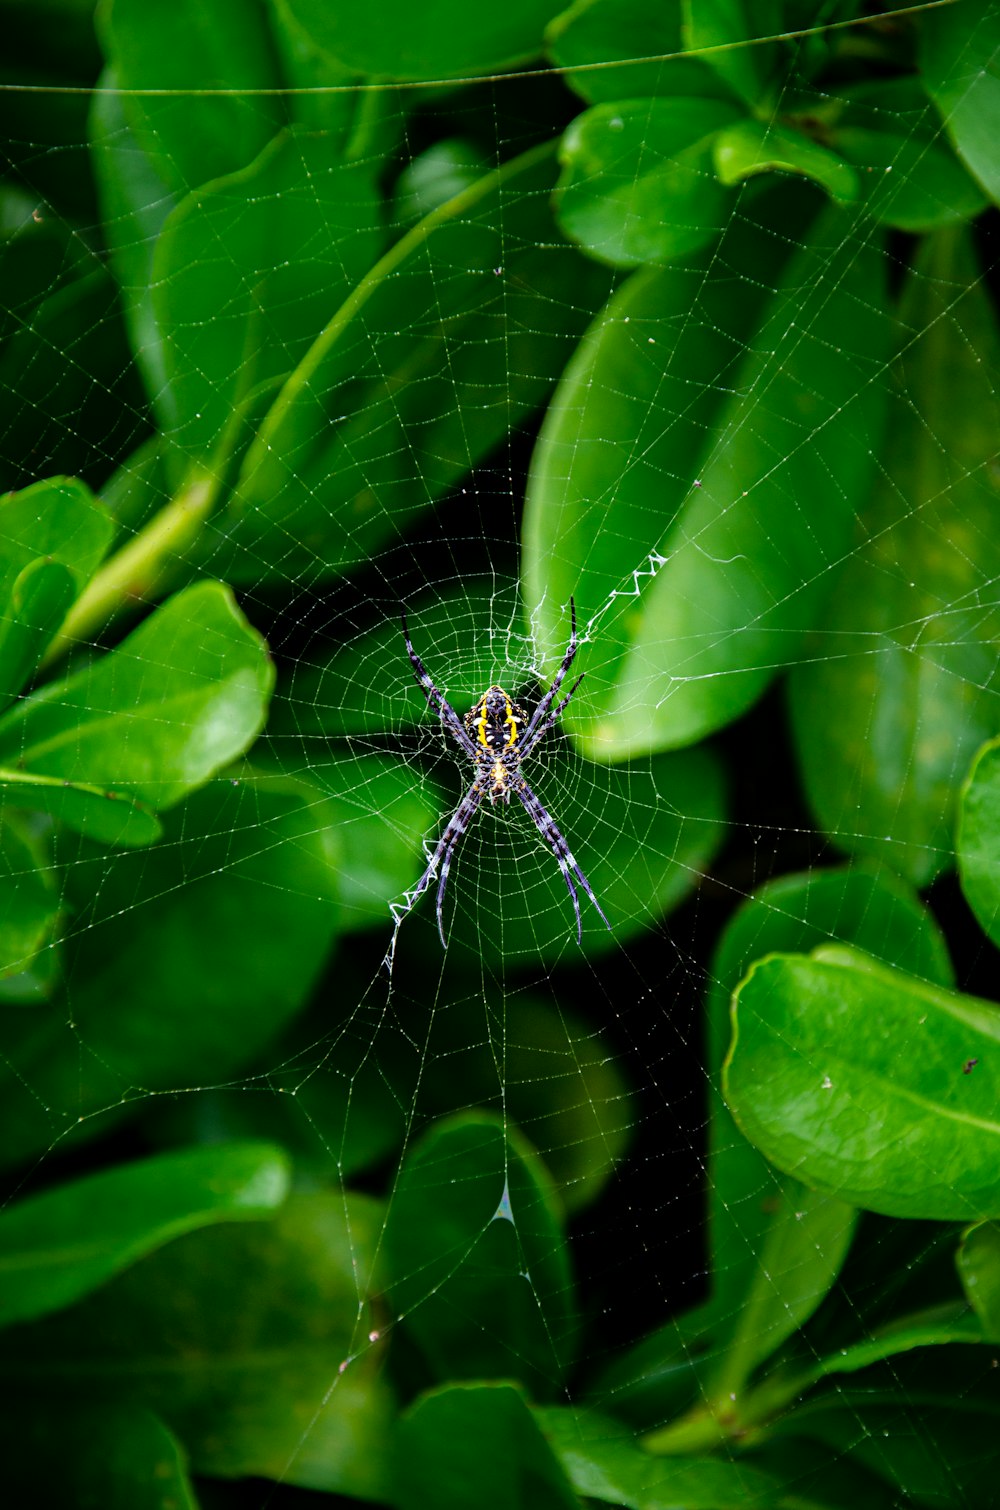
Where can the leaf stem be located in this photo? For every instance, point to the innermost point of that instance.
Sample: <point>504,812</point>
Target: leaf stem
<point>140,568</point>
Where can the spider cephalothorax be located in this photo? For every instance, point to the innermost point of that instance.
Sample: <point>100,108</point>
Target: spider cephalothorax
<point>497,735</point>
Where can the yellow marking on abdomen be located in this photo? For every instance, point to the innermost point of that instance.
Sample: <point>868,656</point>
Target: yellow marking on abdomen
<point>481,724</point>
<point>510,722</point>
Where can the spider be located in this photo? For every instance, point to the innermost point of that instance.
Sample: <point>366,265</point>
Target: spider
<point>497,735</point>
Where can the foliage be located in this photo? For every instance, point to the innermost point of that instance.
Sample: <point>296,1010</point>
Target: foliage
<point>267,311</point>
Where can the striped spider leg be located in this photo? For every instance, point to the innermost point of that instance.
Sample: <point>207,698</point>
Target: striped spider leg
<point>491,735</point>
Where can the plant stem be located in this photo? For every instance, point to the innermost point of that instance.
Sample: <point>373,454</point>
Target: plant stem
<point>140,568</point>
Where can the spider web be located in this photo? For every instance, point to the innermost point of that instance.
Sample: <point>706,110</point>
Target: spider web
<point>755,560</point>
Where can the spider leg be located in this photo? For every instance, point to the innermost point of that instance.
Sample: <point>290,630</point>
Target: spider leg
<point>529,744</point>
<point>442,857</point>
<point>541,713</point>
<point>437,699</point>
<point>546,826</point>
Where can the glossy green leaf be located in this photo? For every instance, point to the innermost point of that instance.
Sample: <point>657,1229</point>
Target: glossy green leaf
<point>445,169</point>
<point>599,41</point>
<point>638,181</point>
<point>751,147</point>
<point>746,1195</point>
<point>29,901</point>
<point>900,684</point>
<point>795,1264</point>
<point>951,1323</point>
<point>52,538</point>
<point>440,39</point>
<point>214,938</point>
<point>667,486</point>
<point>604,1462</point>
<point>979,1270</point>
<point>184,694</point>
<point>58,520</point>
<point>732,37</point>
<point>194,82</point>
<point>119,1457</point>
<point>135,179</point>
<point>912,184</point>
<point>60,1245</point>
<point>236,1334</point>
<point>478,1265</point>
<point>959,48</point>
<point>857,1079</point>
<point>927,1428</point>
<point>417,377</point>
<point>476,1444</point>
<point>104,814</point>
<point>978,838</point>
<point>249,268</point>
<point>325,95</point>
<point>379,814</point>
<point>908,173</point>
<point>42,595</point>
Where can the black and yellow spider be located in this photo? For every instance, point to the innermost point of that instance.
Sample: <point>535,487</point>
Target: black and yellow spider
<point>497,735</point>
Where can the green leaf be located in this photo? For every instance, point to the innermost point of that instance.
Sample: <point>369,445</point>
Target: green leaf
<point>52,539</point>
<point>60,1245</point>
<point>134,176</point>
<point>906,648</point>
<point>950,1323</point>
<point>180,697</point>
<point>57,520</point>
<point>796,1263</point>
<point>119,1457</point>
<point>249,268</point>
<point>103,814</point>
<point>667,484</point>
<point>856,1079</point>
<point>604,1462</point>
<point>979,1270</point>
<point>445,169</point>
<point>236,1334</point>
<point>29,904</point>
<point>478,1264</point>
<point>599,41</point>
<point>194,82</point>
<point>214,939</point>
<point>476,1444</point>
<point>927,1428</point>
<point>908,173</point>
<point>912,183</point>
<point>727,32</point>
<point>414,380</point>
<point>324,95</point>
<point>959,48</point>
<point>751,147</point>
<point>746,1196</point>
<point>638,181</point>
<point>978,838</point>
<point>378,814</point>
<point>441,39</point>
